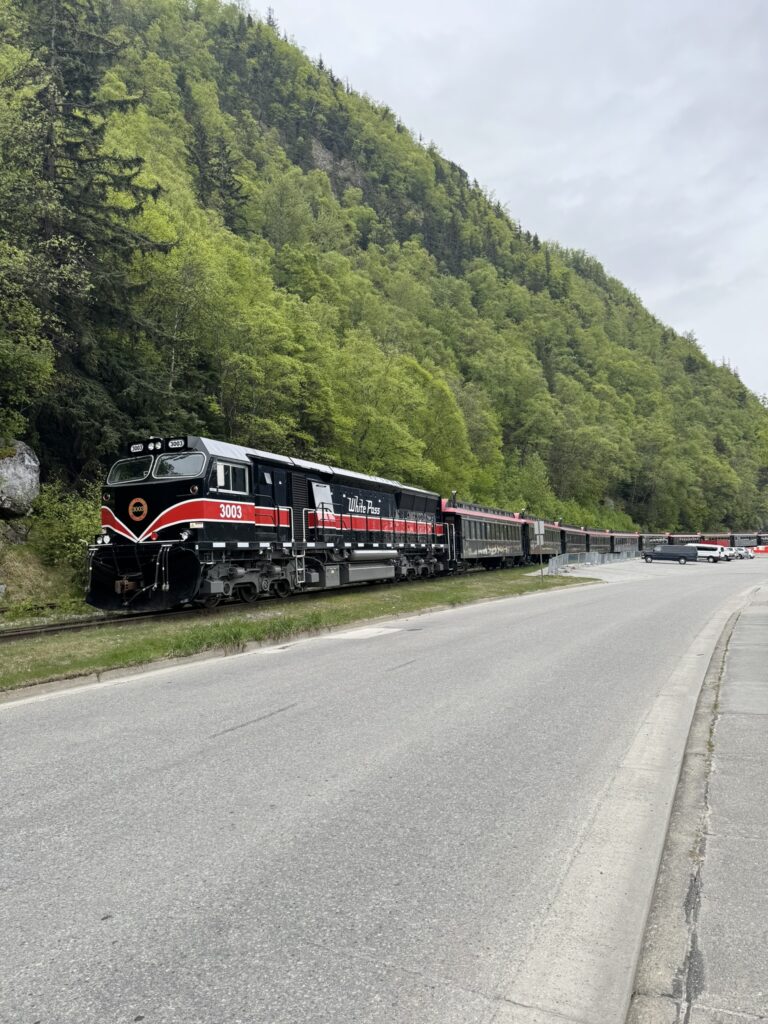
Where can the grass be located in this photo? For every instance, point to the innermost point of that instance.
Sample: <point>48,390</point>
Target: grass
<point>66,655</point>
<point>35,591</point>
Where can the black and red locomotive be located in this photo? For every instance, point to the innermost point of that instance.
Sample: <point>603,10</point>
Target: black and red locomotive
<point>189,520</point>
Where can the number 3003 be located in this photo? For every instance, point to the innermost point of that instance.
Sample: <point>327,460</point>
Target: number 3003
<point>231,511</point>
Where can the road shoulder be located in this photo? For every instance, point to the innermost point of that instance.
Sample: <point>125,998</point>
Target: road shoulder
<point>705,954</point>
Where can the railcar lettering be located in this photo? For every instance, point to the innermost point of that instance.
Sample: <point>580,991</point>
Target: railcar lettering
<point>231,511</point>
<point>367,507</point>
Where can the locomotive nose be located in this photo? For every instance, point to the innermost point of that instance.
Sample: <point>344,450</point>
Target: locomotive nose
<point>129,579</point>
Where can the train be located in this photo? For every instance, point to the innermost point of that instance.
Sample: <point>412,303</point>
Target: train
<point>195,521</point>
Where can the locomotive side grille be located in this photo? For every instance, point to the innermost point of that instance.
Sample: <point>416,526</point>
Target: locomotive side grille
<point>299,501</point>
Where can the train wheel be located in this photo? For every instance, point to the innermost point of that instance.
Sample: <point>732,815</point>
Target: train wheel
<point>281,588</point>
<point>211,601</point>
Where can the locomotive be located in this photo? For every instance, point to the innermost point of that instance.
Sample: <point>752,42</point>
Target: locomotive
<point>191,520</point>
<point>194,520</point>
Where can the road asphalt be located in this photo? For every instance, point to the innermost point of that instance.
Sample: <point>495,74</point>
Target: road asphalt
<point>446,819</point>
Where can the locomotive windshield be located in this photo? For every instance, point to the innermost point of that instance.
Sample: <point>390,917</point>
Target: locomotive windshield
<point>128,471</point>
<point>181,464</point>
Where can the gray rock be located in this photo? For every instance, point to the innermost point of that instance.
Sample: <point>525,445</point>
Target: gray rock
<point>19,481</point>
<point>341,171</point>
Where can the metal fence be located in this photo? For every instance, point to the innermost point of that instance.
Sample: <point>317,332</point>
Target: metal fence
<point>560,562</point>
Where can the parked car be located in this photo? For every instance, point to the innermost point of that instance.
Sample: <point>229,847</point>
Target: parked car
<point>744,552</point>
<point>681,553</point>
<point>712,552</point>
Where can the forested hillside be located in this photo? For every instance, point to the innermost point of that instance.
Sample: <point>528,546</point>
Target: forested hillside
<point>202,231</point>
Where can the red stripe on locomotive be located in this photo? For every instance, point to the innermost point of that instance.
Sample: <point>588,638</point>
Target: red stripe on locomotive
<point>213,511</point>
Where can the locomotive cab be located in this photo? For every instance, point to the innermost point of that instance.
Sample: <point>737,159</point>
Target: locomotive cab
<point>142,558</point>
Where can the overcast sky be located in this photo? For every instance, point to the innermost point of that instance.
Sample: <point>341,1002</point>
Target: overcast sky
<point>636,130</point>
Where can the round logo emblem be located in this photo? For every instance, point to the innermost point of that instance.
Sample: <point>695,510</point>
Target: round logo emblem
<point>137,509</point>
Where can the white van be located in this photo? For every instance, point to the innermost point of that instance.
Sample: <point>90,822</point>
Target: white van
<point>712,552</point>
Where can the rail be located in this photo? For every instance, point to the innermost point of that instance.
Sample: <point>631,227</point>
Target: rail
<point>8,634</point>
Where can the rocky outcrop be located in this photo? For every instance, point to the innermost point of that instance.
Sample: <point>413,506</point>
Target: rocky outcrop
<point>19,481</point>
<point>342,172</point>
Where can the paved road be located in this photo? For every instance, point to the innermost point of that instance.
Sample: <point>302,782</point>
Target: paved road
<point>377,826</point>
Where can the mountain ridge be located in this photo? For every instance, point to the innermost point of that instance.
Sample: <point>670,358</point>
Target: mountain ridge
<point>275,259</point>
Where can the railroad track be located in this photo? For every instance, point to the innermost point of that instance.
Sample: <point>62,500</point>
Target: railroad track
<point>25,632</point>
<point>80,625</point>
<point>128,619</point>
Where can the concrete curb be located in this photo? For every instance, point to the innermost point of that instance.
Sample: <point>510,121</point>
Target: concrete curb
<point>680,972</point>
<point>582,963</point>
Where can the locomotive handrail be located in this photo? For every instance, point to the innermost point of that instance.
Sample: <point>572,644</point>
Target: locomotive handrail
<point>321,512</point>
<point>274,517</point>
<point>451,539</point>
<point>380,529</point>
<point>395,532</point>
<point>289,510</point>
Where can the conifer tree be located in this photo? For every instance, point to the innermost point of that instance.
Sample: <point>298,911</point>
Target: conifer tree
<point>93,196</point>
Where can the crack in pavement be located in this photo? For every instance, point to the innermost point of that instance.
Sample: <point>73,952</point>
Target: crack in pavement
<point>253,721</point>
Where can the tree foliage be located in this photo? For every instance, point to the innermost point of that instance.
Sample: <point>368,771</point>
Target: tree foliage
<point>201,230</point>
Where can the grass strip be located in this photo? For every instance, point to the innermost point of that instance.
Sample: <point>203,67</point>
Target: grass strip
<point>65,655</point>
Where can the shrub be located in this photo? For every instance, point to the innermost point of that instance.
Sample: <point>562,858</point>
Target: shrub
<point>65,523</point>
